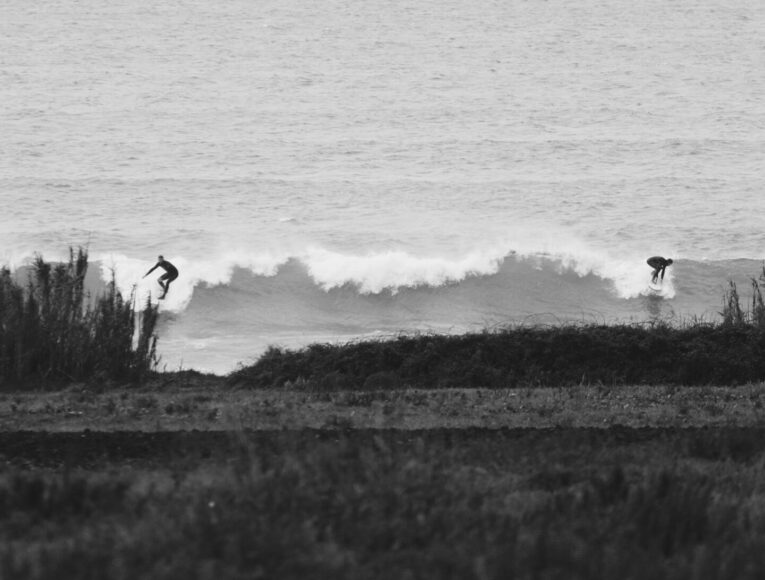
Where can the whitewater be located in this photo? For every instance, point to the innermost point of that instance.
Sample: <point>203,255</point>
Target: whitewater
<point>360,170</point>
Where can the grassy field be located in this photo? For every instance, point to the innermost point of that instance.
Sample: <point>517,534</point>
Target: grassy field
<point>208,404</point>
<point>189,477</point>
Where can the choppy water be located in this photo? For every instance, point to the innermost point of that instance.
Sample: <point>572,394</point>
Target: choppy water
<point>343,169</point>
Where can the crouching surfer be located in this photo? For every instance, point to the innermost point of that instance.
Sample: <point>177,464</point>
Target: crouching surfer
<point>659,265</point>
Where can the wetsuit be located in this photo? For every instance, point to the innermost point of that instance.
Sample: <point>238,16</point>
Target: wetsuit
<point>658,264</point>
<point>171,273</point>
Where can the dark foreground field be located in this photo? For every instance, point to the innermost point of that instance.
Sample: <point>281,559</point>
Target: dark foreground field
<point>616,502</point>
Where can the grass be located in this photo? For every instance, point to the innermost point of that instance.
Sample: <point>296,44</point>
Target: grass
<point>52,332</point>
<point>212,406</point>
<point>383,504</point>
<point>611,355</point>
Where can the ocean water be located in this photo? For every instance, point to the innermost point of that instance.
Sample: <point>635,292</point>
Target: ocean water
<point>348,169</point>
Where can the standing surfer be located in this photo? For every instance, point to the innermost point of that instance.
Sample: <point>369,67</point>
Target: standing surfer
<point>171,273</point>
<point>659,264</point>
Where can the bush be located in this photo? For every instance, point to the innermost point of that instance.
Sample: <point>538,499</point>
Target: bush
<point>52,331</point>
<point>556,356</point>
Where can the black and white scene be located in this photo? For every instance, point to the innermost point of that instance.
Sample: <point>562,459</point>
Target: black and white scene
<point>410,289</point>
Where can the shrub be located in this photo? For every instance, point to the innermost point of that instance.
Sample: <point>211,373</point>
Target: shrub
<point>52,331</point>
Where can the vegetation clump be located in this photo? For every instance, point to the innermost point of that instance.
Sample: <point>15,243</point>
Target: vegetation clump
<point>52,331</point>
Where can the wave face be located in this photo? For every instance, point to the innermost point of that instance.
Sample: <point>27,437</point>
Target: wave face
<point>231,312</point>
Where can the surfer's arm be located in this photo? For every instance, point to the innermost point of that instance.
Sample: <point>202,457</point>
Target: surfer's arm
<point>150,271</point>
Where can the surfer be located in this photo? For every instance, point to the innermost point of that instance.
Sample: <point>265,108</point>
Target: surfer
<point>658,264</point>
<point>171,273</point>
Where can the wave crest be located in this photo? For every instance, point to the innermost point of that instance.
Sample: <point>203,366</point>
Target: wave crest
<point>389,271</point>
<point>393,270</point>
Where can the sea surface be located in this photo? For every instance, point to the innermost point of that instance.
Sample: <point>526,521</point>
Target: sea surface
<point>325,172</point>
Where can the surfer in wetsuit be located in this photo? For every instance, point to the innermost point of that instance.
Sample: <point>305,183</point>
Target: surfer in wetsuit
<point>658,264</point>
<point>171,273</point>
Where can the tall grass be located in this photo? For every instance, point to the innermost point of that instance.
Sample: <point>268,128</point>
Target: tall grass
<point>462,504</point>
<point>51,330</point>
<point>734,314</point>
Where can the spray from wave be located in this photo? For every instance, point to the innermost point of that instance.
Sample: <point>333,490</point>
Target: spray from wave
<point>374,273</point>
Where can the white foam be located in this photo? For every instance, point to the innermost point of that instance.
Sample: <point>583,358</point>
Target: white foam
<point>630,275</point>
<point>374,272</point>
<point>129,275</point>
<point>392,270</point>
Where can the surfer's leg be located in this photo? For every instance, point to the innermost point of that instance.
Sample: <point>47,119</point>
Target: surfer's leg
<point>165,280</point>
<point>170,278</point>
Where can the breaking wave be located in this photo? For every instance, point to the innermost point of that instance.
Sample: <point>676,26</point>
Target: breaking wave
<point>391,272</point>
